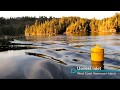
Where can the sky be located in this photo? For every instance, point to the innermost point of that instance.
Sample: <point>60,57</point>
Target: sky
<point>82,14</point>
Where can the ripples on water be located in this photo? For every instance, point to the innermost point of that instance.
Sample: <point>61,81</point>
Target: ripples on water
<point>52,57</point>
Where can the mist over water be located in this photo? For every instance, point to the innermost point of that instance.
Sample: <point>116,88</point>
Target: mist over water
<point>53,57</point>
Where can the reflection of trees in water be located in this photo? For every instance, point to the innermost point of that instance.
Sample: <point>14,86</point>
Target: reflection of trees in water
<point>46,57</point>
<point>76,38</point>
<point>102,33</point>
<point>78,34</point>
<point>37,38</point>
<point>6,45</point>
<point>46,38</point>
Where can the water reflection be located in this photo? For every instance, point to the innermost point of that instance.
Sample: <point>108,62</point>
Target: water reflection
<point>103,33</point>
<point>52,57</point>
<point>6,44</point>
<point>38,38</point>
<point>46,57</point>
<point>82,33</point>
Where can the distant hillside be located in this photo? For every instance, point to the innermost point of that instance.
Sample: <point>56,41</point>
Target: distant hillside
<point>16,26</point>
<point>29,26</point>
<point>73,25</point>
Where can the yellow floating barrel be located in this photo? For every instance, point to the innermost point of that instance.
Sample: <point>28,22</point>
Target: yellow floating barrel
<point>97,57</point>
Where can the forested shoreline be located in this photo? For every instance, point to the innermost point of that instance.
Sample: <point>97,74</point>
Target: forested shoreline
<point>29,26</point>
<point>16,26</point>
<point>73,25</point>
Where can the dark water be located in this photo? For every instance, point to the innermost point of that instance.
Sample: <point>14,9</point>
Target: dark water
<point>52,57</point>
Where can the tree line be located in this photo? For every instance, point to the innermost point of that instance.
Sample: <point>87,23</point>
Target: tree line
<point>54,26</point>
<point>74,25</point>
<point>16,26</point>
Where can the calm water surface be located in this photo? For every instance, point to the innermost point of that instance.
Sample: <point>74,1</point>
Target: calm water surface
<point>53,57</point>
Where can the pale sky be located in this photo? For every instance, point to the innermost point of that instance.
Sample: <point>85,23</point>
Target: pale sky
<point>82,14</point>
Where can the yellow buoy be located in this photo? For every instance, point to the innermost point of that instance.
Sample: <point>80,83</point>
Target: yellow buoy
<point>97,57</point>
<point>97,53</point>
